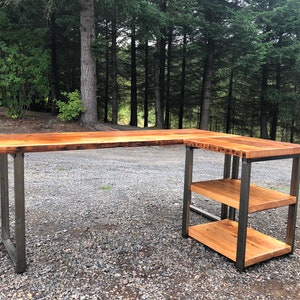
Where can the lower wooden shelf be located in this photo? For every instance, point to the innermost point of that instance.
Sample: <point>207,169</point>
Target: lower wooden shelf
<point>221,236</point>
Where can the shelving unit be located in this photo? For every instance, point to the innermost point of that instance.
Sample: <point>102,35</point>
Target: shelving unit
<point>234,239</point>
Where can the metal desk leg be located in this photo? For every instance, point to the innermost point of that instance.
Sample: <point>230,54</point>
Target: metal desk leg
<point>234,175</point>
<point>292,214</point>
<point>243,215</point>
<point>16,252</point>
<point>187,192</point>
<point>229,212</point>
<point>5,232</point>
<point>20,213</point>
<point>226,174</point>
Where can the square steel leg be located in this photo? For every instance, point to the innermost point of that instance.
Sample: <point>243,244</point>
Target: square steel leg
<point>243,215</point>
<point>16,252</point>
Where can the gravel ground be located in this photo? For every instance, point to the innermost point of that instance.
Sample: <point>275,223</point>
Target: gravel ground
<point>106,224</point>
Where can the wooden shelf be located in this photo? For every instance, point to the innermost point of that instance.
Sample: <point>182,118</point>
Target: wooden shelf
<point>227,191</point>
<point>221,236</point>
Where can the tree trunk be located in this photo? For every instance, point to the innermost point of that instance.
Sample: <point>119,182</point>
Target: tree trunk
<point>169,56</point>
<point>275,105</point>
<point>207,85</point>
<point>183,81</point>
<point>229,103</point>
<point>54,67</point>
<point>292,129</point>
<point>146,93</point>
<point>88,63</point>
<point>274,122</point>
<point>157,87</point>
<point>159,72</point>
<point>114,72</point>
<point>264,104</point>
<point>69,84</point>
<point>133,102</point>
<point>106,96</point>
<point>162,64</point>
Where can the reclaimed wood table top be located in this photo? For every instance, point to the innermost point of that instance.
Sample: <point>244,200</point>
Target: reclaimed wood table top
<point>58,141</point>
<point>246,147</point>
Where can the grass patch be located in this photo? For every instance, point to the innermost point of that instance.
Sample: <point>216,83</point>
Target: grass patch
<point>105,187</point>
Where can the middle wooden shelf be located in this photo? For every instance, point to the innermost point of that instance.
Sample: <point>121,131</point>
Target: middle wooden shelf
<point>227,191</point>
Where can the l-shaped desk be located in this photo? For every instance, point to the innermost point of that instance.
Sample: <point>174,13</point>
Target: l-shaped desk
<point>231,238</point>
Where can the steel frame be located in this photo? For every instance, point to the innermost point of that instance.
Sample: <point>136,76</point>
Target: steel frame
<point>17,250</point>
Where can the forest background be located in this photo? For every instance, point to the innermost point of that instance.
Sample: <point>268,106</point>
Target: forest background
<point>230,66</point>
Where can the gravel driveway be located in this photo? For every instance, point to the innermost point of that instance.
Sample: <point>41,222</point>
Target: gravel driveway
<point>106,224</point>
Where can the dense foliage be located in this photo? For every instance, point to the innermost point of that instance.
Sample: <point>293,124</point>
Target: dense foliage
<point>231,66</point>
<point>72,108</point>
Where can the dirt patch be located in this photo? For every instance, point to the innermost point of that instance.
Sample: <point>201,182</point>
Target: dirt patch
<point>46,122</point>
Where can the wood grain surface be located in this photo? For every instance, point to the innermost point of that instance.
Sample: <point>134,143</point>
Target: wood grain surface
<point>227,191</point>
<point>246,147</point>
<point>42,142</point>
<point>221,236</point>
<point>226,143</point>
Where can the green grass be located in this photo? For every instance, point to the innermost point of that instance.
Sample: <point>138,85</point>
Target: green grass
<point>105,187</point>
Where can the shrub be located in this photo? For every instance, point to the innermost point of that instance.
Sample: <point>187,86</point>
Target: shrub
<point>72,109</point>
<point>23,77</point>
